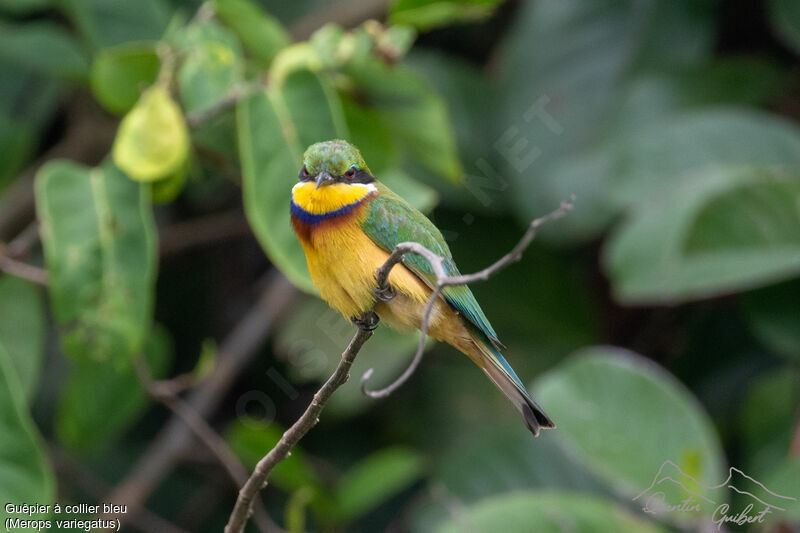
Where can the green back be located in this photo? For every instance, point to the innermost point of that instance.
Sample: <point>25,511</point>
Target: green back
<point>391,220</point>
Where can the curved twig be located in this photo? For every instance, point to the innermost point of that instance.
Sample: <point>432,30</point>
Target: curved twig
<point>258,479</point>
<point>443,280</point>
<point>310,417</point>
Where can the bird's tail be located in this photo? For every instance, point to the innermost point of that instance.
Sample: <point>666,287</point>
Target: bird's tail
<point>503,376</point>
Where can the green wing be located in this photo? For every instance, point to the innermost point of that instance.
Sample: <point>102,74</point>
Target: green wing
<point>391,220</point>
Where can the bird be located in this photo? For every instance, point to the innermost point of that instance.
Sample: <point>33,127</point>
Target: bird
<point>348,223</point>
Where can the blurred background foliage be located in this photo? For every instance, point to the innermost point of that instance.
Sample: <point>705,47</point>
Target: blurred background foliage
<point>147,149</point>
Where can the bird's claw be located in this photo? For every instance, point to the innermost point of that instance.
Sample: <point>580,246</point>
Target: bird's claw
<point>384,294</point>
<point>367,322</point>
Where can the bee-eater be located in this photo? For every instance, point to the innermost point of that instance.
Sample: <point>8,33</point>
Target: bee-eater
<point>348,223</point>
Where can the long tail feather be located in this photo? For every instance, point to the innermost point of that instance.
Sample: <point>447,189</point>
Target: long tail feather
<point>503,376</point>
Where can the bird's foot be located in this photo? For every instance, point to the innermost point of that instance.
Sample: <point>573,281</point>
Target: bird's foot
<point>367,322</point>
<point>384,294</point>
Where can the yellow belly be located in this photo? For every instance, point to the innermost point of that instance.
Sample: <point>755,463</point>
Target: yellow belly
<point>343,260</point>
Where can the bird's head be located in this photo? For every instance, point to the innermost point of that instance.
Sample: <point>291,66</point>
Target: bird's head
<point>334,162</point>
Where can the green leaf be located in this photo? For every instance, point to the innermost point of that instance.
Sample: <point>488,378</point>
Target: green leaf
<point>274,128</point>
<point>99,242</point>
<point>375,479</point>
<point>22,329</point>
<point>262,35</point>
<point>312,340</point>
<point>785,480</point>
<point>45,48</point>
<point>651,160</point>
<point>207,75</point>
<point>721,230</point>
<point>414,114</point>
<point>100,400</point>
<point>507,460</point>
<point>23,467</point>
<point>23,7</point>
<point>429,14</point>
<point>212,64</point>
<point>251,438</point>
<point>562,102</point>
<point>784,15</point>
<point>772,315</point>
<point>120,74</point>
<point>152,142</point>
<point>414,192</point>
<point>547,512</point>
<point>105,23</point>
<point>767,418</point>
<point>626,419</point>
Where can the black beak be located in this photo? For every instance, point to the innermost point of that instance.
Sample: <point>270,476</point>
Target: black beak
<point>324,178</point>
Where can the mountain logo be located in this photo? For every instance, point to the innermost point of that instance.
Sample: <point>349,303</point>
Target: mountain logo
<point>674,491</point>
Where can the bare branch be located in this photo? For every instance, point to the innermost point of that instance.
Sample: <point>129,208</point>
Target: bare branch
<point>443,280</point>
<point>23,270</point>
<point>23,242</point>
<point>78,475</point>
<point>258,479</point>
<point>260,476</point>
<point>205,433</point>
<point>235,352</point>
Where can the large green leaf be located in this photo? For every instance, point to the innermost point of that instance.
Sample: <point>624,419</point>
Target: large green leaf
<point>547,512</point>
<point>633,424</point>
<point>262,35</point>
<point>101,400</point>
<point>767,418</point>
<point>785,18</point>
<point>275,127</point>
<point>785,480</point>
<point>428,14</point>
<point>23,6</point>
<point>375,479</point>
<point>22,323</point>
<point>212,66</point>
<point>652,160</point>
<point>416,117</point>
<point>120,74</point>
<point>313,339</point>
<point>26,477</point>
<point>100,248</point>
<point>43,47</point>
<point>105,23</point>
<point>560,101</point>
<point>722,229</point>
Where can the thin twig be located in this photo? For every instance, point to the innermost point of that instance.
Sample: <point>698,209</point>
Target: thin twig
<point>23,242</point>
<point>235,353</point>
<point>23,270</point>
<point>258,479</point>
<point>73,472</point>
<point>203,431</point>
<point>260,476</point>
<point>444,280</point>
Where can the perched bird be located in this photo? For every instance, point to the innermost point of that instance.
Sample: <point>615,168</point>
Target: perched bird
<point>348,223</point>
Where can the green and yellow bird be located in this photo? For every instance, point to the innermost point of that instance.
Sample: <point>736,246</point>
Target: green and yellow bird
<point>348,223</point>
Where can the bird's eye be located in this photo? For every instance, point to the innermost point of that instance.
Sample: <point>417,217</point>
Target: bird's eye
<point>304,172</point>
<point>351,171</point>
